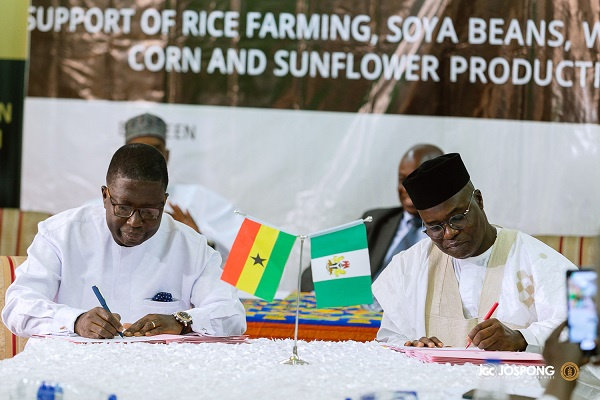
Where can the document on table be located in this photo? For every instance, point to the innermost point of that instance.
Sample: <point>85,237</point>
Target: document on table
<point>190,338</point>
<point>455,355</point>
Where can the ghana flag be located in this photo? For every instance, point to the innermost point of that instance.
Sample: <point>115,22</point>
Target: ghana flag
<point>257,258</point>
<point>340,266</point>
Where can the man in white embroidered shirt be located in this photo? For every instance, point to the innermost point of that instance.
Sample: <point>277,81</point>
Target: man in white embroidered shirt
<point>157,275</point>
<point>437,292</point>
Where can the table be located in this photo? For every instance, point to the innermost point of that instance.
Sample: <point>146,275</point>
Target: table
<point>337,370</point>
<point>276,320</point>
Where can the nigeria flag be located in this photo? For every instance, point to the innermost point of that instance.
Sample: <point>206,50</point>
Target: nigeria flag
<point>340,266</point>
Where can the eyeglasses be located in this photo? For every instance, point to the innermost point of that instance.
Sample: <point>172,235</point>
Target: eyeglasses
<point>124,211</point>
<point>458,222</point>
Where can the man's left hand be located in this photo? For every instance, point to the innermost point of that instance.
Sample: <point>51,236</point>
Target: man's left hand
<point>155,324</point>
<point>494,335</point>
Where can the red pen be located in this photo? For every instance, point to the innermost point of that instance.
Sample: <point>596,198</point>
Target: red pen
<point>487,316</point>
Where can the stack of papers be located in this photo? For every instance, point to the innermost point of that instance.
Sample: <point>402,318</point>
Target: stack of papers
<point>458,356</point>
<point>190,338</point>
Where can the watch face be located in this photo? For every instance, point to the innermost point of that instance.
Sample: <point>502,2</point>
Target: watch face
<point>184,316</point>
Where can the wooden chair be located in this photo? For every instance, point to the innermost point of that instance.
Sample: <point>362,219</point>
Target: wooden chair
<point>580,250</point>
<point>10,344</point>
<point>17,229</point>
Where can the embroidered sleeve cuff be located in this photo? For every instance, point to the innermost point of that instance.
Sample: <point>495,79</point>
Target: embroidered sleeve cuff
<point>201,323</point>
<point>64,319</point>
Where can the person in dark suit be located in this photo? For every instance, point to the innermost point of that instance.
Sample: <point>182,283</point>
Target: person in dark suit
<point>392,229</point>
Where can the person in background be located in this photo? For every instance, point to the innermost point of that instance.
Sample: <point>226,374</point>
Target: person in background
<point>192,204</point>
<point>437,292</point>
<point>392,229</point>
<point>155,273</point>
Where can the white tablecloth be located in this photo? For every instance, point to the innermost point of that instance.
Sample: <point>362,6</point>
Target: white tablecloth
<point>337,370</point>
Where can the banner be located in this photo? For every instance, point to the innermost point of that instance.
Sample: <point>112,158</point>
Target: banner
<point>442,58</point>
<point>299,111</point>
<point>13,56</point>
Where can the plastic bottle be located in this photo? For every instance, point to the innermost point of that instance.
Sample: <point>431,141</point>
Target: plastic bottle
<point>33,389</point>
<point>492,386</point>
<point>387,395</point>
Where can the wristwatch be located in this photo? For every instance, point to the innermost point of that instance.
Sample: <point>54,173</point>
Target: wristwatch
<point>183,318</point>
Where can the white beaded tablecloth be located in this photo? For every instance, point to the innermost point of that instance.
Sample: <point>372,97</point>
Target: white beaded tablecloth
<point>337,370</point>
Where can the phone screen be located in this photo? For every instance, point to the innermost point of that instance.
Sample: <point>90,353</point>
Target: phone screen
<point>582,287</point>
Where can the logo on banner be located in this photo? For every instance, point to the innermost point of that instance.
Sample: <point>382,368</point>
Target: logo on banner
<point>337,265</point>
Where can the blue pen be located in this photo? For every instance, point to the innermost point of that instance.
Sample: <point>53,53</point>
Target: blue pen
<point>102,302</point>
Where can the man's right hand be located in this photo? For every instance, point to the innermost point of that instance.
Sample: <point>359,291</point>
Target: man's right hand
<point>425,342</point>
<point>98,324</point>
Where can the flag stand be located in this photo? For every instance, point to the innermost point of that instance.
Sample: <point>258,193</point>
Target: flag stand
<point>294,359</point>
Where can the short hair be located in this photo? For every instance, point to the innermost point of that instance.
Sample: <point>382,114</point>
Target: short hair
<point>140,162</point>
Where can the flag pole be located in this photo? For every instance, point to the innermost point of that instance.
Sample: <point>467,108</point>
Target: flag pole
<point>294,359</point>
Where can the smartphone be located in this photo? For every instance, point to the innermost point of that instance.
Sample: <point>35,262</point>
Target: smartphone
<point>582,318</point>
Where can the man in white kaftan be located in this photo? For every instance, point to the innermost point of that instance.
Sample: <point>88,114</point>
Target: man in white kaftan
<point>154,272</point>
<point>74,251</point>
<point>531,295</point>
<point>439,291</point>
